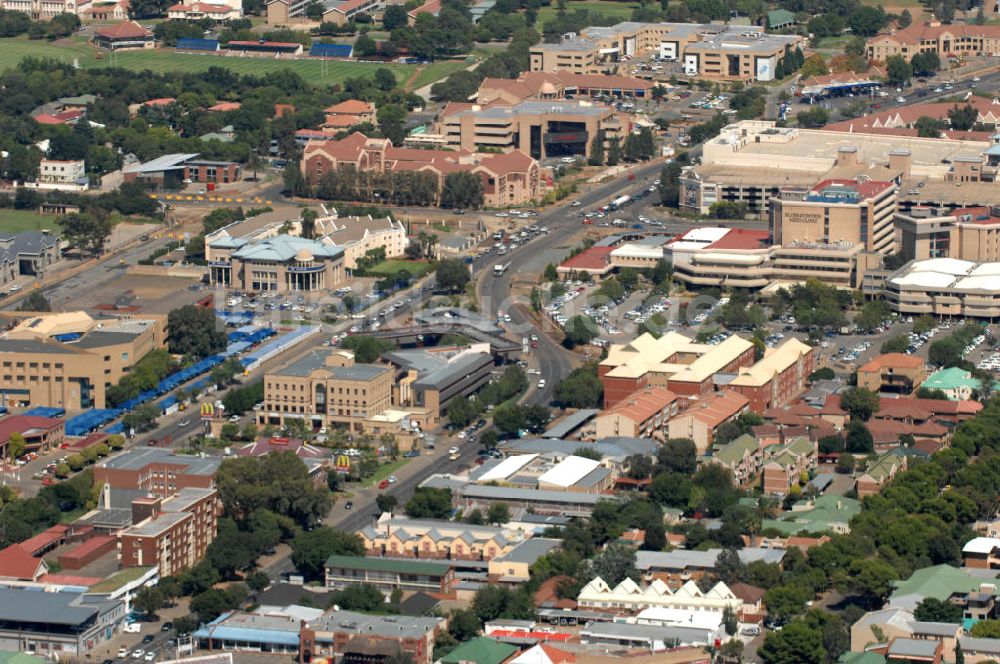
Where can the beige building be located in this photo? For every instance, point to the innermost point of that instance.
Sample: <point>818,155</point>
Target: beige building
<point>69,360</point>
<point>359,235</point>
<point>943,287</point>
<point>338,12</point>
<point>933,37</point>
<point>737,53</point>
<point>401,537</point>
<point>752,161</point>
<point>971,234</point>
<point>280,264</point>
<point>537,128</point>
<point>892,372</point>
<point>61,171</point>
<point>327,388</point>
<point>856,212</point>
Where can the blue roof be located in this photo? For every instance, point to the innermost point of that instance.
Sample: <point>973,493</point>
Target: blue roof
<point>994,150</point>
<point>192,44</point>
<point>45,411</point>
<point>283,248</point>
<point>90,420</point>
<point>219,629</point>
<point>167,403</point>
<point>331,50</point>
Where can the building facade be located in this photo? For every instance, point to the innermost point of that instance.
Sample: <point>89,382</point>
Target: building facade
<point>171,533</point>
<point>280,264</point>
<point>69,360</point>
<point>387,574</point>
<point>155,471</point>
<point>933,37</point>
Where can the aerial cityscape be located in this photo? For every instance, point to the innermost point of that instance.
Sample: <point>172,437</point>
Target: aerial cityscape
<point>500,332</point>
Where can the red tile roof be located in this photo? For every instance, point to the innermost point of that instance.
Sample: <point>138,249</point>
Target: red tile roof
<point>88,547</point>
<point>741,238</point>
<point>162,101</point>
<point>58,118</point>
<point>867,189</point>
<point>24,423</point>
<point>892,361</point>
<point>350,107</point>
<point>224,106</point>
<point>87,441</point>
<point>924,31</point>
<point>749,594</point>
<point>342,121</point>
<point>508,162</point>
<point>70,580</point>
<point>123,30</point>
<point>16,563</point>
<point>45,539</point>
<point>429,7</point>
<point>642,404</point>
<point>594,258</point>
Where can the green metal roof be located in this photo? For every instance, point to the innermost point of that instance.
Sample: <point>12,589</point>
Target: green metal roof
<point>399,565</point>
<point>952,378</point>
<point>779,17</point>
<point>827,509</point>
<point>11,657</point>
<point>733,452</point>
<point>861,658</point>
<point>939,582</point>
<point>481,650</point>
<point>283,248</point>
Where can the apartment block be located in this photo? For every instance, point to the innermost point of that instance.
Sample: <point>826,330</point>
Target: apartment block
<point>155,471</point>
<point>892,372</point>
<point>401,537</point>
<point>171,533</point>
<point>982,553</point>
<point>387,574</point>
<point>971,234</point>
<point>705,415</point>
<point>787,465</point>
<point>742,457</point>
<point>778,378</point>
<point>61,171</point>
<point>673,361</point>
<point>40,434</point>
<point>69,360</point>
<point>644,413</point>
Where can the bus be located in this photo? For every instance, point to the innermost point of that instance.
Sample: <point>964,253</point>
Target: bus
<point>500,268</point>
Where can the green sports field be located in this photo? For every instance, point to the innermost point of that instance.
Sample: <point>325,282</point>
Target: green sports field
<point>15,221</point>
<point>618,10</point>
<point>392,266</point>
<point>13,50</point>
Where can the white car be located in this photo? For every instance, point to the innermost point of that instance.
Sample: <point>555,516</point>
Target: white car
<point>534,372</point>
<point>900,100</point>
<point>575,204</point>
<point>150,656</point>
<point>14,288</point>
<point>541,383</point>
<point>392,479</point>
<point>122,653</point>
<point>138,653</point>
<point>453,450</point>
<point>461,434</point>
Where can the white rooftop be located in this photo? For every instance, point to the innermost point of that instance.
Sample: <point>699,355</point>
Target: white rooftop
<point>680,617</point>
<point>569,471</point>
<point>982,545</point>
<point>633,250</point>
<point>507,467</point>
<point>706,234</point>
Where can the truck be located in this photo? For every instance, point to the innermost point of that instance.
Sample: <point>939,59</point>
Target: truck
<point>620,202</point>
<point>500,268</point>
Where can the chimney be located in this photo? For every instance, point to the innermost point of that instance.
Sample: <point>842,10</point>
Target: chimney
<point>847,155</point>
<point>900,161</point>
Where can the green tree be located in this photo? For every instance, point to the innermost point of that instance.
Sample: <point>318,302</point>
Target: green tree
<point>845,463</point>
<point>813,118</point>
<point>596,156</point>
<point>366,349</point>
<point>963,118</point>
<point>905,19</point>
<point>669,188</point>
<point>258,581</point>
<point>452,275</point>
<point>925,63</point>
<point>394,17</point>
<point>86,232</point>
<point>195,332</point>
<point>615,564</point>
<point>16,446</point>
<point>35,302</point>
<point>581,389</point>
<point>365,47</point>
<point>931,609</point>
<point>986,629</point>
<point>895,344</point>
<point>498,514</point>
<point>729,621</point>
<point>149,600</point>
<point>427,503</point>
<point>310,549</point>
<point>898,70</point>
<point>655,537</point>
<point>859,403</point>
<point>858,439</point>
<point>796,643</point>
<point>462,190</point>
<point>579,330</point>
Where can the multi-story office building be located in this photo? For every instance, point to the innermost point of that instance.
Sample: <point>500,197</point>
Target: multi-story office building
<point>933,37</point>
<point>360,637</point>
<point>743,53</point>
<point>971,234</point>
<point>171,533</point>
<point>69,360</point>
<point>280,264</point>
<point>858,212</point>
<point>752,161</point>
<point>943,287</point>
<point>429,379</point>
<point>64,624</point>
<point>325,388</point>
<point>539,128</point>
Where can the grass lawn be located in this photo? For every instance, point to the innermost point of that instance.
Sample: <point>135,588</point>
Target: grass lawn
<point>384,471</point>
<point>619,10</point>
<point>13,50</point>
<point>389,267</point>
<point>435,72</point>
<point>16,221</point>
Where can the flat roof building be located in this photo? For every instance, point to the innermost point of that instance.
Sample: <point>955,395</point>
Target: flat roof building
<point>388,574</point>
<point>69,623</point>
<point>171,533</point>
<point>69,360</point>
<point>156,471</point>
<point>366,638</point>
<point>971,234</point>
<point>945,287</point>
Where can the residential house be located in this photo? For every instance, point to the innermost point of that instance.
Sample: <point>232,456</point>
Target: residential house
<point>982,553</point>
<point>879,473</point>
<point>514,566</point>
<point>892,372</point>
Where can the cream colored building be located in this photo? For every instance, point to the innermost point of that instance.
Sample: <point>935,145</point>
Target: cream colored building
<point>628,595</point>
<point>752,161</point>
<point>359,235</point>
<point>971,234</point>
<point>537,128</point>
<point>326,388</point>
<point>933,37</point>
<point>945,287</point>
<point>280,264</point>
<point>69,360</point>
<point>856,212</point>
<point>738,53</point>
<point>398,537</point>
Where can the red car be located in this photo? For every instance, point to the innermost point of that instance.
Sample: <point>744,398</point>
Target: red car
<point>383,484</point>
<point>47,481</point>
